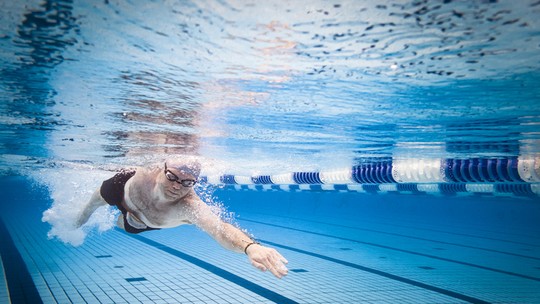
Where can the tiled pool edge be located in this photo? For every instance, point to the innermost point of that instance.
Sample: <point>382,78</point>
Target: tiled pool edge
<point>21,287</point>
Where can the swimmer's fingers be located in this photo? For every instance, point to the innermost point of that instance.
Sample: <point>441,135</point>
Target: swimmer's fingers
<point>258,265</point>
<point>276,264</point>
<point>277,270</point>
<point>278,273</point>
<point>280,270</point>
<point>281,258</point>
<point>277,258</point>
<point>265,258</point>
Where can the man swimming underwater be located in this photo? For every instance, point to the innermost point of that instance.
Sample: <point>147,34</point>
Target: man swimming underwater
<point>151,199</point>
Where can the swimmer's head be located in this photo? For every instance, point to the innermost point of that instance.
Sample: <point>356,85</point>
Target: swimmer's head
<point>184,167</point>
<point>178,177</point>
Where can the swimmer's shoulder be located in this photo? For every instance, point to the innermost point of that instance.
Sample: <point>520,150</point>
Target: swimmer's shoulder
<point>139,170</point>
<point>143,179</point>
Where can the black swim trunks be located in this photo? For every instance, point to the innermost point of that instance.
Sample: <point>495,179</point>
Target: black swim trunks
<point>112,191</point>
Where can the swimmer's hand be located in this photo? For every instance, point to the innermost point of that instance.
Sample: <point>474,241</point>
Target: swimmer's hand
<point>264,258</point>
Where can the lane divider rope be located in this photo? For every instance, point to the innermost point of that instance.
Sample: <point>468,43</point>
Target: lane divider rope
<point>515,176</point>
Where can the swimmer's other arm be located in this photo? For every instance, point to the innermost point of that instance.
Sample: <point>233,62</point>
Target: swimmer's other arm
<point>234,239</point>
<point>95,202</point>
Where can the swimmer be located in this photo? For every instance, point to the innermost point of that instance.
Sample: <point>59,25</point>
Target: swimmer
<point>151,199</point>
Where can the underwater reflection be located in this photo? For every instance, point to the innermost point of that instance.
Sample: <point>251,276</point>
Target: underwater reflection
<point>37,45</point>
<point>158,118</point>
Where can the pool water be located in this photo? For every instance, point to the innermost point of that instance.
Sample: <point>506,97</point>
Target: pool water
<point>388,149</point>
<point>342,247</point>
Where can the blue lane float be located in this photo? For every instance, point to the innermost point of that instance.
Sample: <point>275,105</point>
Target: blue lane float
<point>482,170</point>
<point>262,180</point>
<point>312,178</point>
<point>373,173</point>
<point>517,176</point>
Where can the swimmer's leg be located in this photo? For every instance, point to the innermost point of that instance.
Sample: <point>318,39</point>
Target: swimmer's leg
<point>95,202</point>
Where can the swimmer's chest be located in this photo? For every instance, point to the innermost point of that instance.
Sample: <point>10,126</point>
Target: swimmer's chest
<point>154,210</point>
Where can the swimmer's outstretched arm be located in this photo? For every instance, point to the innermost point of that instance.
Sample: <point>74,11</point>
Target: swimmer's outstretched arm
<point>95,202</point>
<point>232,238</point>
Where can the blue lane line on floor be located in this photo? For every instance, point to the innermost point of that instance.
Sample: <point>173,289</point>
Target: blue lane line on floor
<point>443,291</point>
<point>21,287</point>
<point>425,229</point>
<point>432,240</point>
<point>263,292</point>
<point>523,276</point>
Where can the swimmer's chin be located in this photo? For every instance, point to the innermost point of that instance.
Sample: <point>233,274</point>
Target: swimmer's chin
<point>174,195</point>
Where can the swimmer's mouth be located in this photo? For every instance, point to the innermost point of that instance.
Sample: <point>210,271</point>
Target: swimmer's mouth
<point>173,194</point>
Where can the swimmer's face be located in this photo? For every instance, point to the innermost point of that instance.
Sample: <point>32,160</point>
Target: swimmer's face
<point>179,179</point>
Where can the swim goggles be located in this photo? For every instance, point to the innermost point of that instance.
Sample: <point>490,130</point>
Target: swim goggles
<point>173,178</point>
